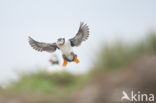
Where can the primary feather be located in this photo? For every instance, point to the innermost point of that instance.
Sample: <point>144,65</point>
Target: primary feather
<point>81,35</point>
<point>40,46</point>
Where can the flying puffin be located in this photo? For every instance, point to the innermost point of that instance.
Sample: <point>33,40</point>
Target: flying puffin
<point>64,45</point>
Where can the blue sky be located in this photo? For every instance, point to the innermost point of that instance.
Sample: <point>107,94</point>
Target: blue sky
<point>47,20</point>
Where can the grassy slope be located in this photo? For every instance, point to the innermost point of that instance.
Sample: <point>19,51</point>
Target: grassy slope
<point>61,85</point>
<point>118,55</point>
<point>56,85</point>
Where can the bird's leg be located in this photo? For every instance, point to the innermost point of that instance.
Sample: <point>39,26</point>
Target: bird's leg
<point>76,60</point>
<point>64,63</point>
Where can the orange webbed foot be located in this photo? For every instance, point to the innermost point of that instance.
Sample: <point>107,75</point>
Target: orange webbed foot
<point>76,61</point>
<point>64,63</point>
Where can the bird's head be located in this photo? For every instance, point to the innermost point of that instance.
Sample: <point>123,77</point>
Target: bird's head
<point>60,41</point>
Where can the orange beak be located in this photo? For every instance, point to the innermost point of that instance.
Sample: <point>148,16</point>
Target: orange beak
<point>59,44</point>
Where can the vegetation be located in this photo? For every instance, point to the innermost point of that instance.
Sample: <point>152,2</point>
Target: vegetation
<point>59,84</point>
<point>116,56</point>
<point>62,84</point>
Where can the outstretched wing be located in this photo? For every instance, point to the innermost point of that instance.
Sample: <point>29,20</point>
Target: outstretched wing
<point>81,35</point>
<point>40,46</point>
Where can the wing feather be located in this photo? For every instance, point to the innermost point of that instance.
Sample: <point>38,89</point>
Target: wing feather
<point>82,35</point>
<point>40,46</point>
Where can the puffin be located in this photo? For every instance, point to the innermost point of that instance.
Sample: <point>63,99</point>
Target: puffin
<point>64,45</point>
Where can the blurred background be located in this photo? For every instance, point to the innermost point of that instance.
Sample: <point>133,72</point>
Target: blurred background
<point>120,53</point>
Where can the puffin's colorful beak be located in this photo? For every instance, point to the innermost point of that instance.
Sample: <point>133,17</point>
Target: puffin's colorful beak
<point>59,43</point>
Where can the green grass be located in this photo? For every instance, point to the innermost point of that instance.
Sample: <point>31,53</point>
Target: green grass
<point>118,55</point>
<point>58,85</point>
<point>61,85</point>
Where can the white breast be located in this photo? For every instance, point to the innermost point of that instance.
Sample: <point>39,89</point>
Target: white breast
<point>66,48</point>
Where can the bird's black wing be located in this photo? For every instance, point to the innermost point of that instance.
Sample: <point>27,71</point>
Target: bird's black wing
<point>81,35</point>
<point>40,46</point>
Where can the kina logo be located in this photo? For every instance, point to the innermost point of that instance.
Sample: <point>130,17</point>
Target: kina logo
<point>137,97</point>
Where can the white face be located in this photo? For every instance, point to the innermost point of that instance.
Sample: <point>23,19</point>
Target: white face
<point>60,42</point>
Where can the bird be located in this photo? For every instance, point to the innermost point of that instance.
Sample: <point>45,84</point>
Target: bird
<point>64,45</point>
<point>54,60</point>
